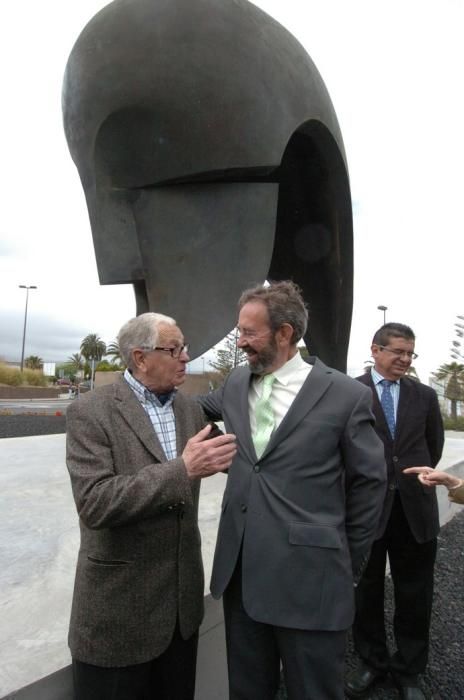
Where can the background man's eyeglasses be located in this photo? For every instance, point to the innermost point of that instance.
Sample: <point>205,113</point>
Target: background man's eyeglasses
<point>175,352</point>
<point>399,353</point>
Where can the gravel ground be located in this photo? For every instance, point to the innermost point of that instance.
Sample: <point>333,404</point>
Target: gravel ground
<point>22,425</point>
<point>444,679</point>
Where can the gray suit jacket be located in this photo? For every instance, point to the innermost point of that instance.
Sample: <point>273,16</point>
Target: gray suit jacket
<point>305,513</point>
<point>139,564</point>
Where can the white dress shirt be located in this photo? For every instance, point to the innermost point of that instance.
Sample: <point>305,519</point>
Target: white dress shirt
<point>288,381</point>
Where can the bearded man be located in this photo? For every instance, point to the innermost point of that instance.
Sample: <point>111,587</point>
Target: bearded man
<point>301,505</point>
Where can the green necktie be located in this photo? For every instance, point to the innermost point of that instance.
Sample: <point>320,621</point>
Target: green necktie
<point>264,415</point>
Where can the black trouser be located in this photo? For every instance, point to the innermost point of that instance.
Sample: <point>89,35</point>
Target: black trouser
<point>411,566</point>
<point>312,661</point>
<point>171,676</point>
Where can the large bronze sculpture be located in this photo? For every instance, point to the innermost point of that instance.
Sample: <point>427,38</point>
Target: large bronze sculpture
<point>211,158</point>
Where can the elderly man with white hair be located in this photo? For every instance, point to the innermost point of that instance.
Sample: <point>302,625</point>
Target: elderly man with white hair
<point>136,451</point>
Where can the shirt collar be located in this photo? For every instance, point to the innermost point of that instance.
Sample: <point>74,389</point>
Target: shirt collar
<point>377,378</point>
<point>143,394</point>
<point>285,373</point>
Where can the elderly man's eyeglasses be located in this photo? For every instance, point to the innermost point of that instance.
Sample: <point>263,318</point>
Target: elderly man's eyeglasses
<point>399,353</point>
<point>175,352</point>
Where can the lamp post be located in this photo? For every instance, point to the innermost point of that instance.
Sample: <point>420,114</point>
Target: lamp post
<point>384,309</point>
<point>27,288</point>
<point>92,372</point>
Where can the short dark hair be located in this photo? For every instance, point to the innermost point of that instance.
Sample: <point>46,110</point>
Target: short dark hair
<point>392,330</point>
<point>285,304</point>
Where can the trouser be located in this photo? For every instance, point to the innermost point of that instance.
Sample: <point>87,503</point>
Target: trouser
<point>171,676</point>
<point>411,566</point>
<point>312,661</point>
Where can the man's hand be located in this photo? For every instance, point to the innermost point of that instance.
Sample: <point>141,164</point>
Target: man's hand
<point>204,457</point>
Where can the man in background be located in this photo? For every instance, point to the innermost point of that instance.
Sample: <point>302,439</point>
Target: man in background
<point>136,451</point>
<point>300,508</point>
<point>409,423</point>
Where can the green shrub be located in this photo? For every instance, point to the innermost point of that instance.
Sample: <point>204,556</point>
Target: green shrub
<point>451,424</point>
<point>34,377</point>
<point>105,366</point>
<point>10,375</point>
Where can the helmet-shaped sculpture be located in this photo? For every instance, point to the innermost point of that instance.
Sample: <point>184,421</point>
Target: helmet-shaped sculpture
<point>211,159</point>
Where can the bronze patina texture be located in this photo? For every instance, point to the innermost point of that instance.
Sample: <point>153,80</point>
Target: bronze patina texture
<point>211,159</point>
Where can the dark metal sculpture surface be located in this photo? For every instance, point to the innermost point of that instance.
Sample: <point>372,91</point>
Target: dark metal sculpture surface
<point>211,159</point>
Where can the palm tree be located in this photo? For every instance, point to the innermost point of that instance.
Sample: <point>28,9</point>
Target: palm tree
<point>411,372</point>
<point>452,375</point>
<point>114,352</point>
<point>93,347</point>
<point>33,362</point>
<point>76,362</point>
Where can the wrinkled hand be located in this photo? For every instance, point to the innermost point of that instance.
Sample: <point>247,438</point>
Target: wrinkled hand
<point>432,477</point>
<point>204,457</point>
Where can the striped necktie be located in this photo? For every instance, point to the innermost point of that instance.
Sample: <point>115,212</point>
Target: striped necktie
<point>264,415</point>
<point>386,401</point>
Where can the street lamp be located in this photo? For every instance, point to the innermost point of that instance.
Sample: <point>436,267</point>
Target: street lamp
<point>384,309</point>
<point>27,288</point>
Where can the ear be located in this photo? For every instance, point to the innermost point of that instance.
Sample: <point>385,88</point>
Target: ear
<point>375,350</point>
<point>284,334</point>
<point>138,357</point>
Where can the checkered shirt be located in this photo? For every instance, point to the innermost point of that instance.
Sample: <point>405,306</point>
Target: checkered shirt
<point>161,416</point>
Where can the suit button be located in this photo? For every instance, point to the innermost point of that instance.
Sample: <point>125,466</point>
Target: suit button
<point>243,508</point>
<point>392,487</point>
<point>395,459</point>
<point>256,468</point>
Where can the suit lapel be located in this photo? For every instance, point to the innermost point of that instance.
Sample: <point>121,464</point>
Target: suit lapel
<point>134,415</point>
<point>315,386</point>
<point>182,422</point>
<point>377,410</point>
<point>403,406</point>
<point>242,427</point>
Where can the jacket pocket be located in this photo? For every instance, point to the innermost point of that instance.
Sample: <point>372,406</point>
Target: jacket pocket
<point>307,535</point>
<point>109,562</point>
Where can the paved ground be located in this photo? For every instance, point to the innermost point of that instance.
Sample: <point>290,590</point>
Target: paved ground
<point>39,540</point>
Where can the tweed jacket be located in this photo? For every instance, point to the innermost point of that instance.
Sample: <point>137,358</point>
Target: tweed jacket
<point>139,566</point>
<point>304,514</point>
<point>419,440</point>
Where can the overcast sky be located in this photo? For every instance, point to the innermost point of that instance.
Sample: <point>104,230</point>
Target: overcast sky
<point>394,72</point>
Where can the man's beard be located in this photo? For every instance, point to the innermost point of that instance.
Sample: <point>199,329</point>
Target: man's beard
<point>264,358</point>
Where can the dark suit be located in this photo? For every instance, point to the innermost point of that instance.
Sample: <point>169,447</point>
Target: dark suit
<point>408,529</point>
<point>139,574</point>
<point>297,524</point>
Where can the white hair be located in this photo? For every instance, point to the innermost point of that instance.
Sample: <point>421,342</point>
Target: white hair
<point>140,332</point>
